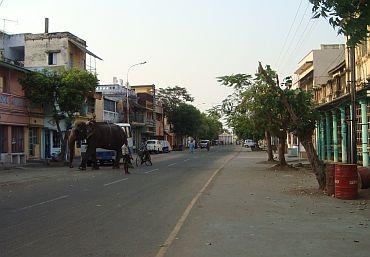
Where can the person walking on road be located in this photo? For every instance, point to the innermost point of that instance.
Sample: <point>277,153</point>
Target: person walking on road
<point>126,158</point>
<point>191,146</point>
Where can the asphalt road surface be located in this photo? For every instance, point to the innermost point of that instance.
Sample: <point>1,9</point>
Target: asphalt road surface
<point>106,213</point>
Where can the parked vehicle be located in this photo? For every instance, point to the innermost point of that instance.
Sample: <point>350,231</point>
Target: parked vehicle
<point>154,145</point>
<point>103,156</point>
<point>249,143</point>
<point>166,147</point>
<point>204,144</point>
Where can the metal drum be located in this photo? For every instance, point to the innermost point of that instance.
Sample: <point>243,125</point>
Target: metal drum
<point>346,181</point>
<point>365,177</point>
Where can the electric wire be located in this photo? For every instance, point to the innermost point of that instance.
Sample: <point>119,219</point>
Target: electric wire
<point>294,35</point>
<point>305,34</point>
<point>290,29</point>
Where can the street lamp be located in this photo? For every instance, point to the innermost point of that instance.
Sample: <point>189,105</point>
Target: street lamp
<point>127,88</point>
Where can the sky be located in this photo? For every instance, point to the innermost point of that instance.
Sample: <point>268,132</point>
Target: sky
<point>186,43</point>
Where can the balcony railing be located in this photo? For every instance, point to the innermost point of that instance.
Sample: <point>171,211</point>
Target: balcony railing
<point>13,62</point>
<point>110,116</point>
<point>150,122</point>
<point>137,118</point>
<point>12,101</point>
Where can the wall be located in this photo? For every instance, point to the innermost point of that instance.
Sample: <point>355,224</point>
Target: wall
<point>325,59</point>
<point>36,51</point>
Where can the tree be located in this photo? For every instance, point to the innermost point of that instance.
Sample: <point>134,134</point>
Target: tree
<point>172,97</point>
<point>61,94</point>
<point>256,107</point>
<point>350,18</point>
<point>303,117</point>
<point>185,119</point>
<point>210,127</point>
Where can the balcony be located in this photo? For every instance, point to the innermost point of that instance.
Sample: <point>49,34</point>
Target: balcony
<point>13,62</point>
<point>13,102</point>
<point>150,122</point>
<point>149,105</point>
<point>111,116</point>
<point>137,120</point>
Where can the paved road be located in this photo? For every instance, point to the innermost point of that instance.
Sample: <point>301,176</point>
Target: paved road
<point>105,213</point>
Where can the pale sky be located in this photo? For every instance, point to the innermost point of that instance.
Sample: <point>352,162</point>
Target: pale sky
<point>186,43</point>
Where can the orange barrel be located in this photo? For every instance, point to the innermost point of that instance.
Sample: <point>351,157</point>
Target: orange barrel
<point>346,181</point>
<point>330,174</point>
<point>364,174</point>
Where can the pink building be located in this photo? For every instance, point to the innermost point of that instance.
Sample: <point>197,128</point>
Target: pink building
<point>14,115</point>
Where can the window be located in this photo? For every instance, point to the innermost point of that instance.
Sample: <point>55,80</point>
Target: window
<point>3,139</point>
<point>56,139</point>
<point>52,58</point>
<point>109,105</point>
<point>17,139</point>
<point>33,140</point>
<point>2,85</point>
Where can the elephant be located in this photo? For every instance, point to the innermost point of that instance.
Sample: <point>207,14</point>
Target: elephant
<point>97,135</point>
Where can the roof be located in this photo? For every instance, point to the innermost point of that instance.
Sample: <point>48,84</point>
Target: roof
<point>83,48</point>
<point>14,67</point>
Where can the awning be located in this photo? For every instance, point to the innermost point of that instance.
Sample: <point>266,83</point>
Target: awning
<point>84,49</point>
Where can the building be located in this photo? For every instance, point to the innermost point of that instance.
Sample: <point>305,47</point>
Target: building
<point>36,52</point>
<point>14,117</point>
<point>312,73</point>
<point>226,138</point>
<point>159,121</point>
<point>146,100</point>
<point>334,104</point>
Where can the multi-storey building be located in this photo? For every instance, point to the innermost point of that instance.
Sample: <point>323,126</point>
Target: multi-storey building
<point>59,50</point>
<point>313,73</point>
<point>334,103</point>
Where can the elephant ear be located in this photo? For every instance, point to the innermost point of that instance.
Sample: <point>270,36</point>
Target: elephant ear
<point>90,128</point>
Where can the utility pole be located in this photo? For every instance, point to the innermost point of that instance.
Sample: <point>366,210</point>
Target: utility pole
<point>352,59</point>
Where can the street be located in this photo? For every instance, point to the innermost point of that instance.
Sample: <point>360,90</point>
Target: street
<point>218,203</point>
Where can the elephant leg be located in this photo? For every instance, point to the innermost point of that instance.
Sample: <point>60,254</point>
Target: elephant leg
<point>118,158</point>
<point>94,162</point>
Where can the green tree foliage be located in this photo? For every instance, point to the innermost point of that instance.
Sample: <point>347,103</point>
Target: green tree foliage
<point>350,17</point>
<point>61,94</point>
<point>172,97</point>
<point>210,127</point>
<point>186,119</point>
<point>302,119</point>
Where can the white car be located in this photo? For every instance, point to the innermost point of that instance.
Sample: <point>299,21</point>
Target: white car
<point>154,145</point>
<point>249,143</point>
<point>166,147</point>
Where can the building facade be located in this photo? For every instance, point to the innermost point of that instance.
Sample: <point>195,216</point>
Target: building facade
<point>313,73</point>
<point>334,103</point>
<point>36,52</point>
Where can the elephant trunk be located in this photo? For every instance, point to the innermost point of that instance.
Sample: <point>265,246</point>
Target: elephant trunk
<point>71,145</point>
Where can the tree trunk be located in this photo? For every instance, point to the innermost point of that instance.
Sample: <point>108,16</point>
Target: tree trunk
<point>317,165</point>
<point>270,155</point>
<point>282,139</point>
<point>306,139</point>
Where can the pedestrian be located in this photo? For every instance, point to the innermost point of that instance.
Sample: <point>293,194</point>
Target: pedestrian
<point>191,146</point>
<point>126,158</point>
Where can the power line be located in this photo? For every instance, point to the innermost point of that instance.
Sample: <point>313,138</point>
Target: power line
<point>290,29</point>
<point>295,32</point>
<point>300,41</point>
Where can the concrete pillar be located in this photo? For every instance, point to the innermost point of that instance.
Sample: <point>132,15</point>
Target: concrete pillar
<point>322,136</point>
<point>335,135</point>
<point>318,146</point>
<point>364,133</point>
<point>328,136</point>
<point>343,133</point>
